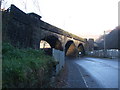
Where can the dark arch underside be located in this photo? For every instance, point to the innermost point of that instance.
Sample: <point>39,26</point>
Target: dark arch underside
<point>81,49</point>
<point>54,42</point>
<point>70,49</point>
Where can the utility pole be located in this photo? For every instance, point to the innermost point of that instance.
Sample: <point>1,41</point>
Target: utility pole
<point>104,44</point>
<point>104,41</point>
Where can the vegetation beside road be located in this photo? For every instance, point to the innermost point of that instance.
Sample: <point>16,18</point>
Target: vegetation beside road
<point>25,68</point>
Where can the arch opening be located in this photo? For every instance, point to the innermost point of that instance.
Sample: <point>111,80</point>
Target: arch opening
<point>46,47</point>
<point>44,44</point>
<point>50,42</point>
<point>70,49</point>
<point>81,50</point>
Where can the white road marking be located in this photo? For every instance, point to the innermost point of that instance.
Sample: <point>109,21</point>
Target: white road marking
<point>83,77</point>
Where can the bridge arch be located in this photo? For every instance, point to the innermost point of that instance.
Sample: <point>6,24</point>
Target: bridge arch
<point>53,41</point>
<point>81,49</point>
<point>70,49</point>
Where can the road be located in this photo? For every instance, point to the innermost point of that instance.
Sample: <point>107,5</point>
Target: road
<point>92,73</point>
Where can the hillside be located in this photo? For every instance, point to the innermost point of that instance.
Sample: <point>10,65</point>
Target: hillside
<point>112,39</point>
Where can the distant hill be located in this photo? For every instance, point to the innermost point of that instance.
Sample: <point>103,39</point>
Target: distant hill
<point>112,40</point>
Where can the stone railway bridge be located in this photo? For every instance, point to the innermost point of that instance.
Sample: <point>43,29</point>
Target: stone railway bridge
<point>27,30</point>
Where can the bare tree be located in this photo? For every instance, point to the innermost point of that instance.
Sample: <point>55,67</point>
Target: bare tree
<point>24,3</point>
<point>0,4</point>
<point>3,4</point>
<point>36,4</point>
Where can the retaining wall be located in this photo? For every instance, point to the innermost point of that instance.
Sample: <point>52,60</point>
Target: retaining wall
<point>60,57</point>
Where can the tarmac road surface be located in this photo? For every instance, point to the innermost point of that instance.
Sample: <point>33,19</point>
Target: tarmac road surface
<point>92,73</point>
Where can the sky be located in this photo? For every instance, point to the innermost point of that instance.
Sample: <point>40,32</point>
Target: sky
<point>85,18</point>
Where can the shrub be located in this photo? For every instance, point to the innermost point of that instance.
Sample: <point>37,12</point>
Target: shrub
<point>25,68</point>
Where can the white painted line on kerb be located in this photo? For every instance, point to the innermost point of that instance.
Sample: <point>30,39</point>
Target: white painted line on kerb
<point>83,77</point>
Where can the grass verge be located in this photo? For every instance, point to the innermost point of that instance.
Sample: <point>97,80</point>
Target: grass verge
<point>25,68</point>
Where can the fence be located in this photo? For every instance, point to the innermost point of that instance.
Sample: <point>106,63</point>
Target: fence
<point>60,57</point>
<point>111,53</point>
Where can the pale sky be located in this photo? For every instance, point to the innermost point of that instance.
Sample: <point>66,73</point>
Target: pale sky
<point>85,18</point>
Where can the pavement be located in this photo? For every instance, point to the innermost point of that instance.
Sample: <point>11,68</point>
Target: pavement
<point>71,76</point>
<point>74,78</point>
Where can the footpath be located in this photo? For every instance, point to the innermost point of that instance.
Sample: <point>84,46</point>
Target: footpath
<point>70,77</point>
